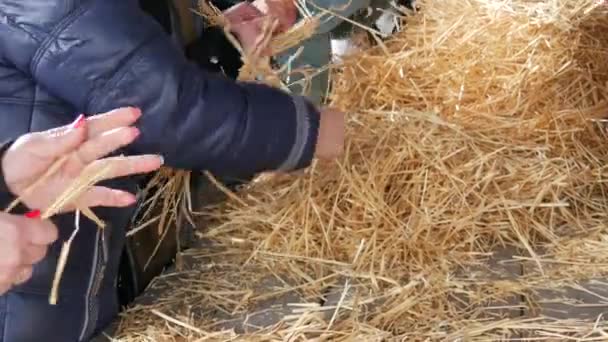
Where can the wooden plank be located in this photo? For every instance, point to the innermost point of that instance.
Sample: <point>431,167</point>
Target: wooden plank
<point>584,301</point>
<point>499,267</point>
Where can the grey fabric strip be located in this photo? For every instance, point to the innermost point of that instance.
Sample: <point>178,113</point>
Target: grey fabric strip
<point>303,126</point>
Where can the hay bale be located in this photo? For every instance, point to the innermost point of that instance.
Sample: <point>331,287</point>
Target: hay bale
<point>479,127</point>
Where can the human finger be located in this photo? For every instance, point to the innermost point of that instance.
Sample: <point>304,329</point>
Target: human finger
<point>10,262</point>
<point>100,123</point>
<point>106,143</point>
<point>99,196</point>
<point>36,232</point>
<point>122,166</point>
<point>52,144</point>
<point>122,117</point>
<point>8,273</point>
<point>33,254</point>
<point>4,288</point>
<point>128,166</point>
<point>23,275</point>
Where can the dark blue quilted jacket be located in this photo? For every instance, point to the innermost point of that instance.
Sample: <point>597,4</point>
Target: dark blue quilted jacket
<point>59,58</point>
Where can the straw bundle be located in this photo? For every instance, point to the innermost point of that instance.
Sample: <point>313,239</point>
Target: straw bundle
<point>477,128</point>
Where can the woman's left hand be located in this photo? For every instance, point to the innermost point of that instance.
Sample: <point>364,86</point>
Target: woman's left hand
<point>84,143</point>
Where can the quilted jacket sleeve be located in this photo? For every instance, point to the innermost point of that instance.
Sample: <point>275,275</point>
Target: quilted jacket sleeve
<point>102,54</point>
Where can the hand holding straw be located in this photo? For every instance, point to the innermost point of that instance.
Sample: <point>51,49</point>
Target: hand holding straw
<point>64,164</point>
<point>48,162</point>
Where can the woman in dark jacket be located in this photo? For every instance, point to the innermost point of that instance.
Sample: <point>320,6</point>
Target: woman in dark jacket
<point>62,57</point>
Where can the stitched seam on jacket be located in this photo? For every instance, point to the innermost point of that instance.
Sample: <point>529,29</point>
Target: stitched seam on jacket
<point>33,107</point>
<point>40,292</point>
<point>64,24</point>
<point>68,4</point>
<point>14,24</point>
<point>302,129</point>
<point>5,322</point>
<point>28,102</point>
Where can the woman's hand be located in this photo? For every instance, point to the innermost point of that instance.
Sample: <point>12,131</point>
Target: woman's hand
<point>23,243</point>
<point>332,131</point>
<point>84,143</point>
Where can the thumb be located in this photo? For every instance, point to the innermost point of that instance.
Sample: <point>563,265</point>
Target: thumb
<point>58,142</point>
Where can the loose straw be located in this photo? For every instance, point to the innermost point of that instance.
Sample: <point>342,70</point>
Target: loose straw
<point>62,261</point>
<point>174,185</point>
<point>76,190</point>
<point>474,170</point>
<point>85,181</point>
<point>28,191</point>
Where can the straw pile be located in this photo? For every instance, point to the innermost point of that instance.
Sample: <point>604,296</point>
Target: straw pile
<point>477,129</point>
<point>169,189</point>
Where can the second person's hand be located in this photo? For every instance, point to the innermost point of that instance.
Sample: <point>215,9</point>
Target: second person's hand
<point>23,243</point>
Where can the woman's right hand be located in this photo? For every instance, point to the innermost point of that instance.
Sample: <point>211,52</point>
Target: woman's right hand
<point>23,243</point>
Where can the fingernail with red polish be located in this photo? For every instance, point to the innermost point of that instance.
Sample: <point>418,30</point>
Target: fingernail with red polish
<point>79,121</point>
<point>34,214</point>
